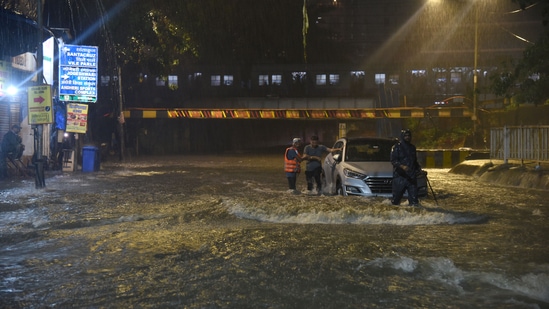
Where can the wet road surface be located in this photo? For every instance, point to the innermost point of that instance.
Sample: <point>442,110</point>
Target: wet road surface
<point>221,232</point>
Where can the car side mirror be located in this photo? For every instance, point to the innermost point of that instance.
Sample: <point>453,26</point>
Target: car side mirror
<point>337,157</point>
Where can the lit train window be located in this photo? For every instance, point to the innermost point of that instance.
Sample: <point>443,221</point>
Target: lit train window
<point>216,80</point>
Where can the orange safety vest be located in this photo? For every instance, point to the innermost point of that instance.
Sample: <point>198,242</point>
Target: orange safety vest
<point>292,166</point>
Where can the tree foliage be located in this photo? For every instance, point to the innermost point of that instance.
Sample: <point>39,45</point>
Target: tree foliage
<point>162,35</point>
<point>527,81</point>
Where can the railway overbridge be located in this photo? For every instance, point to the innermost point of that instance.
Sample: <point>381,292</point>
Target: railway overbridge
<point>192,130</point>
<point>302,114</point>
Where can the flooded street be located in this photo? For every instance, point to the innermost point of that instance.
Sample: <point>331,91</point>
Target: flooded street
<point>221,232</point>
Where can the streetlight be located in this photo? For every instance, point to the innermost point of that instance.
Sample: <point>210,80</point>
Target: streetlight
<point>475,80</point>
<point>12,90</point>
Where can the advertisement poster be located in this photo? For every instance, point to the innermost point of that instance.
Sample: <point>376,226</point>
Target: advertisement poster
<point>77,118</point>
<point>39,105</point>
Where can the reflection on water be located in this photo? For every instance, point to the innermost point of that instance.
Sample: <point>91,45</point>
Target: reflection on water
<point>220,232</point>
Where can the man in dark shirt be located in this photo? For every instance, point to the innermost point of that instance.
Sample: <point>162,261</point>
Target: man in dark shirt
<point>11,147</point>
<point>313,171</point>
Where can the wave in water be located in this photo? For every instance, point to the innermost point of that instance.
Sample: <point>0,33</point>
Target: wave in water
<point>534,285</point>
<point>333,210</point>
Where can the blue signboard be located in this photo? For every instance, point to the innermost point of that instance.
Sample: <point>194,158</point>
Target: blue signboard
<point>78,73</point>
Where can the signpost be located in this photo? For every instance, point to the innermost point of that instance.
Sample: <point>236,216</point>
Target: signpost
<point>40,180</point>
<point>40,105</point>
<point>78,73</point>
<point>77,84</point>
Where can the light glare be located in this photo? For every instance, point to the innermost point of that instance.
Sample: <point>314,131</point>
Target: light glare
<point>12,90</point>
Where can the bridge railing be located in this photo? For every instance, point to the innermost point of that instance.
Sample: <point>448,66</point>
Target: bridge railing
<point>520,143</point>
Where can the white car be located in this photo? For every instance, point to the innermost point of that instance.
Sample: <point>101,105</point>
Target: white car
<point>363,167</point>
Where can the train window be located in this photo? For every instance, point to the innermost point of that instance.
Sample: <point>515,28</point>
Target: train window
<point>298,77</point>
<point>194,76</point>
<point>161,81</point>
<point>440,77</point>
<point>334,79</point>
<point>418,73</point>
<point>455,77</point>
<point>380,79</point>
<point>263,80</point>
<point>216,80</point>
<point>276,79</point>
<point>228,80</point>
<point>172,81</point>
<point>321,79</point>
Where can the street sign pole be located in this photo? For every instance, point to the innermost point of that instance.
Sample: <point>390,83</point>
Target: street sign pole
<point>121,116</point>
<point>39,128</point>
<point>78,65</point>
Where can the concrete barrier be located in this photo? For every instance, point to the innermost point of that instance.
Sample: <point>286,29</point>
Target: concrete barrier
<point>441,158</point>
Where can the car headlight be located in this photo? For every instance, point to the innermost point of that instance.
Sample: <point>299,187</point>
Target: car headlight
<point>353,174</point>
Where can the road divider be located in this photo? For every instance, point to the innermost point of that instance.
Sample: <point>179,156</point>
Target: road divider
<point>441,158</point>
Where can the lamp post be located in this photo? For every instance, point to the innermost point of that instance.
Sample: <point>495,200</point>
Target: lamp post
<point>475,80</point>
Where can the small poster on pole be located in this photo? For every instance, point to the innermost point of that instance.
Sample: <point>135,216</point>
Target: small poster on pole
<point>77,118</point>
<point>39,105</point>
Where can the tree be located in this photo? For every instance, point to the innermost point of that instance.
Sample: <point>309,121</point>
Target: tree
<point>527,80</point>
<point>161,35</point>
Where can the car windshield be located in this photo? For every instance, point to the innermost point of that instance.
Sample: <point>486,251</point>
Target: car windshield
<point>364,150</point>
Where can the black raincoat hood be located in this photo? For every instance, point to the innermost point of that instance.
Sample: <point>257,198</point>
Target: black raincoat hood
<point>405,132</point>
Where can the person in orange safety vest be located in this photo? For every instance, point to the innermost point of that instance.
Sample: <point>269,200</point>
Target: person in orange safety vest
<point>292,164</point>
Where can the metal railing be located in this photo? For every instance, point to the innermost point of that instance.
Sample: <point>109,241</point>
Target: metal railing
<point>520,143</point>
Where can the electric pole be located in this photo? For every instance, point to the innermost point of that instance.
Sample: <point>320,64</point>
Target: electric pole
<point>39,128</point>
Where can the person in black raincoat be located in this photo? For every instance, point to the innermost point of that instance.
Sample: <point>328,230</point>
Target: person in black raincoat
<point>405,169</point>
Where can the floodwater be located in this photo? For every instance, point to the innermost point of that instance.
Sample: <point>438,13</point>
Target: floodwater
<point>221,232</point>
